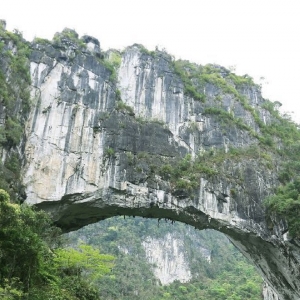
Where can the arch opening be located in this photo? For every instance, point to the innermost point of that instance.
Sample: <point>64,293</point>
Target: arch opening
<point>163,259</point>
<point>78,210</point>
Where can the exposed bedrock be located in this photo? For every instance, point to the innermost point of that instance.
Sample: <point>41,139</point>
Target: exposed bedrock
<point>94,147</point>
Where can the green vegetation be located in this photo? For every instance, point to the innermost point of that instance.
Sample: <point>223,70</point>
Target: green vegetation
<point>110,66</point>
<point>286,204</point>
<point>228,276</point>
<point>228,117</point>
<point>240,81</point>
<point>238,283</point>
<point>14,86</point>
<point>278,139</point>
<point>184,174</point>
<point>109,152</point>
<point>278,147</point>
<point>284,129</point>
<point>121,106</point>
<point>145,51</point>
<point>228,81</point>
<point>41,41</point>
<point>195,78</point>
<point>283,136</point>
<point>32,264</point>
<point>71,36</point>
<point>211,74</point>
<point>85,259</point>
<point>115,59</point>
<point>189,74</point>
<point>111,61</point>
<point>14,103</point>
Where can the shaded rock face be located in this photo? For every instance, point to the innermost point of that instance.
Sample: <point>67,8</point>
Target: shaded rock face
<point>90,156</point>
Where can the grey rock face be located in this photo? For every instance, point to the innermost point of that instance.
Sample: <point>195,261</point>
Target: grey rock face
<point>92,44</point>
<point>169,259</point>
<point>269,293</point>
<point>90,156</point>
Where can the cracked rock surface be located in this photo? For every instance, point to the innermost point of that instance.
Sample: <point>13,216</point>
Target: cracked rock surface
<point>89,158</point>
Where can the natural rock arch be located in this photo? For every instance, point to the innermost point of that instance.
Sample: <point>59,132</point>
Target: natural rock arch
<point>90,156</point>
<point>275,260</point>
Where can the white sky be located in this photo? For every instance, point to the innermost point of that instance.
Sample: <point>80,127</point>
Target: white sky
<point>258,37</point>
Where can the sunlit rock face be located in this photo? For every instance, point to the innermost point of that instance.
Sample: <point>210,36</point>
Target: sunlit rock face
<point>168,258</point>
<point>269,293</point>
<point>90,156</point>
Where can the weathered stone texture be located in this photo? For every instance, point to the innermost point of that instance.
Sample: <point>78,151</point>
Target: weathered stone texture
<point>88,159</point>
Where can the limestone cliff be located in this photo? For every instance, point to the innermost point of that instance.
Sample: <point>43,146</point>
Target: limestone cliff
<point>169,259</point>
<point>107,132</point>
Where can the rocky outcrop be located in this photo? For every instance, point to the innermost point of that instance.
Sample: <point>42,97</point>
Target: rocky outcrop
<point>168,258</point>
<point>269,293</point>
<point>102,126</point>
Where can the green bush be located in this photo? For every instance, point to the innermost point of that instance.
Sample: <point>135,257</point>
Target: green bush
<point>109,152</point>
<point>34,266</point>
<point>121,106</point>
<point>14,86</point>
<point>115,59</point>
<point>13,132</point>
<point>286,204</point>
<point>68,34</point>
